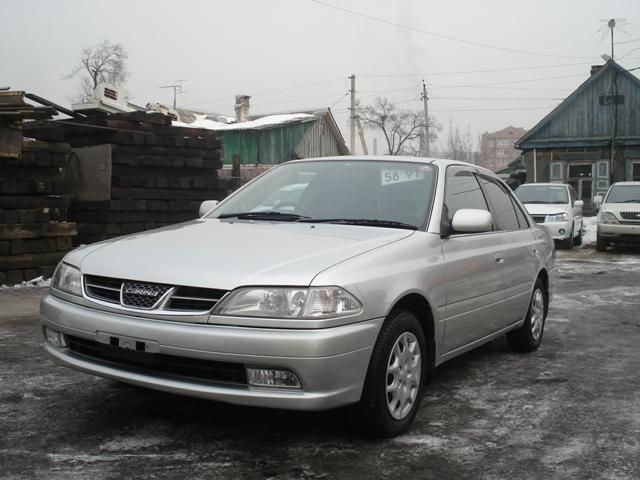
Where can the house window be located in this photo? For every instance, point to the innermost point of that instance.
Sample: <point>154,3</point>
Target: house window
<point>501,152</point>
<point>556,171</point>
<point>635,172</point>
<point>603,169</point>
<point>504,141</point>
<point>577,171</point>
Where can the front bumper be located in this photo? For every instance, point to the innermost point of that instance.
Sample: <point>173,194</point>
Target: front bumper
<point>331,363</point>
<point>624,233</point>
<point>558,230</point>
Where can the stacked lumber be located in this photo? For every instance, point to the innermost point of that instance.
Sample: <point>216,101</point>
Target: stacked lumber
<point>159,173</point>
<point>34,232</point>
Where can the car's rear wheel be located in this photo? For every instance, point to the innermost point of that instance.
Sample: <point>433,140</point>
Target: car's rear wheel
<point>529,336</point>
<point>393,386</point>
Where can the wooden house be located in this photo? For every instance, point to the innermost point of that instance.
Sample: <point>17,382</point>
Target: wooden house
<point>592,138</point>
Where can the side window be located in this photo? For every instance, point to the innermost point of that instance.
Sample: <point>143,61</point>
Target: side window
<point>462,191</point>
<point>522,219</point>
<point>503,209</point>
<point>574,195</point>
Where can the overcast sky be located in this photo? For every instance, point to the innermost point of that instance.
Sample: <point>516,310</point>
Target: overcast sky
<point>488,64</point>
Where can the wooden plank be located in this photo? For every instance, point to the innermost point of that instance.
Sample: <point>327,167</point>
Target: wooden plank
<point>132,217</point>
<point>12,97</point>
<point>162,193</point>
<point>37,230</point>
<point>170,151</point>
<point>11,142</point>
<point>33,201</point>
<point>29,260</point>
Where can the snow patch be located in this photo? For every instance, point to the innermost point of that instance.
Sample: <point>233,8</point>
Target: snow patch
<point>202,121</point>
<point>34,282</point>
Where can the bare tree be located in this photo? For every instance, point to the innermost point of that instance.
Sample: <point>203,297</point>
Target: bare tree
<point>460,145</point>
<point>401,129</point>
<point>104,62</point>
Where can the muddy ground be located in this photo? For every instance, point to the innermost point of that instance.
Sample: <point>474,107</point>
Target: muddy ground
<point>568,411</point>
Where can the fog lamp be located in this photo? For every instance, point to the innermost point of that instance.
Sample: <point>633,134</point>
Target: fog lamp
<point>56,339</point>
<point>271,377</point>
<point>561,231</point>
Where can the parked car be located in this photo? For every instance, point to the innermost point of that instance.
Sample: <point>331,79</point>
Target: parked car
<point>619,215</point>
<point>381,269</point>
<point>556,206</point>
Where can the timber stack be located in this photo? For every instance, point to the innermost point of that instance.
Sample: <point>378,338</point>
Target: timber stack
<point>134,171</point>
<point>34,195</point>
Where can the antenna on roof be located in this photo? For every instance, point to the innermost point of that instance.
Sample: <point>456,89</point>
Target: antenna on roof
<point>611,24</point>
<point>177,88</point>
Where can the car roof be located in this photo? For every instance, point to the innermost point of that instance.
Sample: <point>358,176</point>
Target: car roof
<point>439,162</point>
<point>543,184</point>
<point>625,183</point>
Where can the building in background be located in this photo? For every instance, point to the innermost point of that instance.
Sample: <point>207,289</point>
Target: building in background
<point>592,138</point>
<point>497,149</point>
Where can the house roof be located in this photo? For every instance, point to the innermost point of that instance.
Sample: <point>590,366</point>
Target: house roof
<point>534,137</point>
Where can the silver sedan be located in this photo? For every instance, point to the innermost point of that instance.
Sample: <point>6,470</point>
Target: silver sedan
<point>322,283</point>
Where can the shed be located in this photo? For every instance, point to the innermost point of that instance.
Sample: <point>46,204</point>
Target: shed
<point>273,139</point>
<point>592,138</point>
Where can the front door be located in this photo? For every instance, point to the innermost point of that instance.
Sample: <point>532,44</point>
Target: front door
<point>580,177</point>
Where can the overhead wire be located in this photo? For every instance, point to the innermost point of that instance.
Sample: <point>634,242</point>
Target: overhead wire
<point>440,35</point>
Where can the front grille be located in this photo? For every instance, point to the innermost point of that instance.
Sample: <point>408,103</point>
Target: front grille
<point>142,295</point>
<point>197,299</point>
<point>539,218</point>
<point>147,295</point>
<point>634,216</point>
<point>159,363</point>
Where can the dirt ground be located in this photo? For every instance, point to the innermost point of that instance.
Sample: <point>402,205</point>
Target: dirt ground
<point>568,411</point>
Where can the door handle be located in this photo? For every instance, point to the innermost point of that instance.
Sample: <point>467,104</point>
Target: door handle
<point>534,251</point>
<point>499,258</point>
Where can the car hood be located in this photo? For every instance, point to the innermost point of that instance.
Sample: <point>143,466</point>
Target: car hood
<point>545,208</point>
<point>225,254</point>
<point>621,207</point>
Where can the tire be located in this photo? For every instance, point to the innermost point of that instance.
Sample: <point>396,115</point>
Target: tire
<point>395,378</point>
<point>567,243</point>
<point>578,240</point>
<point>601,244</point>
<point>529,336</point>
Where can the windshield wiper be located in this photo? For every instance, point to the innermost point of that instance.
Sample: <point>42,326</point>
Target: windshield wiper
<point>368,222</point>
<point>267,215</point>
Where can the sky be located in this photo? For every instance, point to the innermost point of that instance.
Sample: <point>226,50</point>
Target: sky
<point>487,64</point>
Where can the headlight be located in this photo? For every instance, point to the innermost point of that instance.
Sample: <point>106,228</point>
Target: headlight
<point>286,302</point>
<point>561,217</point>
<point>607,217</point>
<point>67,279</point>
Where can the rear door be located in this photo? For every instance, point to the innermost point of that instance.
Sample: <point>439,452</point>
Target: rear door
<point>520,254</point>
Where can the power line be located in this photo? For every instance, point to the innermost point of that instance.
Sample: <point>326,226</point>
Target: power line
<point>266,92</point>
<point>492,70</point>
<point>446,37</point>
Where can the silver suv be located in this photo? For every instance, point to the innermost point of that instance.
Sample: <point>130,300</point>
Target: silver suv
<point>619,215</point>
<point>379,270</point>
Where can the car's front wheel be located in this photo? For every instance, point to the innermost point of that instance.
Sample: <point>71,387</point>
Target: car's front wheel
<point>528,337</point>
<point>601,244</point>
<point>393,386</point>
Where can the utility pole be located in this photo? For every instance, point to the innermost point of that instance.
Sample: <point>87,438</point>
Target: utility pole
<point>177,88</point>
<point>425,100</point>
<point>353,114</point>
<point>365,150</point>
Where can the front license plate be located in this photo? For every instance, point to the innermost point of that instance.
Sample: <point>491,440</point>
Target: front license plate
<point>128,343</point>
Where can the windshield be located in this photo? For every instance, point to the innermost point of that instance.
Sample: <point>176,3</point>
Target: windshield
<point>624,194</point>
<point>339,191</point>
<point>542,194</point>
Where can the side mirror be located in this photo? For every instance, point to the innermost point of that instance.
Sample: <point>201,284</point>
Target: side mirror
<point>578,203</point>
<point>206,207</point>
<point>597,201</point>
<point>471,220</point>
